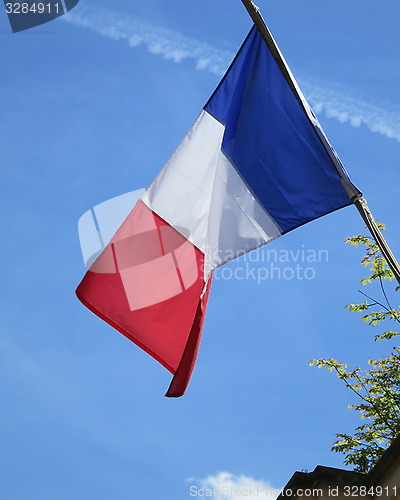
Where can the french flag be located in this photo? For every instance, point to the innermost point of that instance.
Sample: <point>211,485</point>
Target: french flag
<point>254,165</point>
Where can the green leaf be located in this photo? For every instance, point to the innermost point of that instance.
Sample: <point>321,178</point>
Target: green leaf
<point>375,390</point>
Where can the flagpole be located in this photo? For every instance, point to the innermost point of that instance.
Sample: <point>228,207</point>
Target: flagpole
<point>357,199</point>
<point>376,233</point>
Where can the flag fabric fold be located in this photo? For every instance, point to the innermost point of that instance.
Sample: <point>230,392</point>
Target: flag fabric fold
<point>254,165</point>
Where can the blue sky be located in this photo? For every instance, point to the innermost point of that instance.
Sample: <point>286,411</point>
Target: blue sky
<point>92,106</point>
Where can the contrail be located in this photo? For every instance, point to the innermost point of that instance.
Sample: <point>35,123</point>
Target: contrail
<point>160,41</point>
<point>344,107</point>
<point>337,104</point>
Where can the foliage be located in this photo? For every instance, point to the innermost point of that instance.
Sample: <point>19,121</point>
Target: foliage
<point>378,386</point>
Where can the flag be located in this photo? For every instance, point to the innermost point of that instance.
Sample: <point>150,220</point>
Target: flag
<point>254,165</point>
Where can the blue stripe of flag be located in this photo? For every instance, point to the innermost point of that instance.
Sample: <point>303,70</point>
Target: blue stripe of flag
<point>271,142</point>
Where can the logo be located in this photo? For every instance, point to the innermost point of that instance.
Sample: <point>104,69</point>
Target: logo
<point>142,252</point>
<point>30,13</point>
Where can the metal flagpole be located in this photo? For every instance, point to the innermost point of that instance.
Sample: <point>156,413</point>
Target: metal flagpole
<point>376,233</point>
<point>358,200</point>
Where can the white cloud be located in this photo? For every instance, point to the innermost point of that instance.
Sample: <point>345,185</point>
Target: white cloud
<point>338,104</point>
<point>226,485</point>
